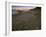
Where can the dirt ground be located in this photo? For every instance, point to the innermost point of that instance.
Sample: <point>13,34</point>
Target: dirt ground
<point>27,21</point>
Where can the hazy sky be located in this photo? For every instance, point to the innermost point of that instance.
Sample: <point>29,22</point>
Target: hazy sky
<point>23,7</point>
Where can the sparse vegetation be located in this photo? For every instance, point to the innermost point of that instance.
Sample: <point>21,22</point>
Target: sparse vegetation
<point>25,21</point>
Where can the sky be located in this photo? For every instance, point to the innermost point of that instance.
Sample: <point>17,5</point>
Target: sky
<point>23,7</point>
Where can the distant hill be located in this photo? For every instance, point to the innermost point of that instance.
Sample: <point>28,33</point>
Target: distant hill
<point>33,11</point>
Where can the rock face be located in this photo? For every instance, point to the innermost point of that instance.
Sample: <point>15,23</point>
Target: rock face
<point>27,20</point>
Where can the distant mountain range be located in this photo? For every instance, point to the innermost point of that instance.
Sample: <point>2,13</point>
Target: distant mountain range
<point>33,11</point>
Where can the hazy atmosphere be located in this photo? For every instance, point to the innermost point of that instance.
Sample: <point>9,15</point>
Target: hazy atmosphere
<point>26,18</point>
